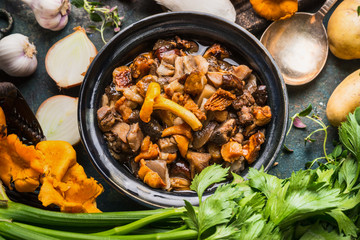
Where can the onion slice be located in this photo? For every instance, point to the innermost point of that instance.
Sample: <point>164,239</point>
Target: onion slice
<point>57,116</point>
<point>68,59</point>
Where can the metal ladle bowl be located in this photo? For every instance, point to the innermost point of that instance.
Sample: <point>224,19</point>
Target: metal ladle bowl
<point>299,45</point>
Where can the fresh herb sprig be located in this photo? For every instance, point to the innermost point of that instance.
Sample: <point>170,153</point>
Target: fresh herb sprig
<point>98,12</point>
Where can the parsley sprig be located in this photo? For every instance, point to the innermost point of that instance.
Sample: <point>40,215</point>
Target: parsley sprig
<point>98,12</point>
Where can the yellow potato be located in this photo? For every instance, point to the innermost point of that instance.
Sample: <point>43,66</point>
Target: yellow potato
<point>344,30</point>
<point>344,99</point>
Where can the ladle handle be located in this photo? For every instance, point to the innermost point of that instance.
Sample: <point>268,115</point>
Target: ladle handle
<point>325,8</point>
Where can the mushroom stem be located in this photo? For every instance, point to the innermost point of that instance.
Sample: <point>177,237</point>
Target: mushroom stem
<point>166,104</point>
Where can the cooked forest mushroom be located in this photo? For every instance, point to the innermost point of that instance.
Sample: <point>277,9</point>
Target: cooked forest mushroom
<point>141,65</point>
<point>246,99</point>
<point>217,51</point>
<point>195,83</point>
<point>241,72</point>
<point>198,161</point>
<point>220,100</point>
<point>224,132</point>
<point>149,176</point>
<point>167,145</point>
<point>151,128</point>
<point>174,110</point>
<point>182,129</point>
<point>106,119</point>
<point>134,137</point>
<point>122,77</point>
<point>251,150</point>
<point>186,101</point>
<point>159,166</point>
<point>202,137</point>
<point>121,130</point>
<point>231,151</point>
<point>182,144</point>
<point>148,150</point>
<point>260,95</point>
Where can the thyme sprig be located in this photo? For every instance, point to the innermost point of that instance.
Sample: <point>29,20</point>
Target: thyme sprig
<point>98,12</point>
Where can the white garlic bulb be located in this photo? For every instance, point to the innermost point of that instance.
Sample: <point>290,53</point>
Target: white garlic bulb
<point>17,55</point>
<point>221,8</point>
<point>50,14</point>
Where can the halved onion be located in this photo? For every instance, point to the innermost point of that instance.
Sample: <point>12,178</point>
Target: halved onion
<point>57,116</point>
<point>68,59</point>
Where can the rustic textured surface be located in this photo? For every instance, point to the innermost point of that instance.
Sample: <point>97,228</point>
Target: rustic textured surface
<point>39,86</point>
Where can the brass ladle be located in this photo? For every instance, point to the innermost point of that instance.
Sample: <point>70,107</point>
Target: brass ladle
<point>299,45</point>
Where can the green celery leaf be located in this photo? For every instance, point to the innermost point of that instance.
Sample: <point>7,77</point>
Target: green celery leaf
<point>77,3</point>
<point>192,218</point>
<point>325,176</point>
<point>219,207</point>
<point>306,111</point>
<point>347,172</point>
<point>344,223</point>
<point>349,134</point>
<point>222,232</point>
<point>208,176</point>
<point>267,184</point>
<point>295,199</point>
<point>256,201</point>
<point>316,231</point>
<point>337,151</point>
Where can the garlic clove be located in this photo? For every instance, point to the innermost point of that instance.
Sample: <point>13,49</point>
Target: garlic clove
<point>50,14</point>
<point>57,116</point>
<point>17,55</point>
<point>221,8</point>
<point>67,60</point>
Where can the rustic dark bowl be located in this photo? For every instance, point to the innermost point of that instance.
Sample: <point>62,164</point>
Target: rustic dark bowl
<point>138,38</point>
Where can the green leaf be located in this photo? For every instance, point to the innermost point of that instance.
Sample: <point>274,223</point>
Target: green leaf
<point>347,172</point>
<point>349,134</point>
<point>208,176</point>
<point>95,17</point>
<point>337,151</point>
<point>357,115</point>
<point>77,3</point>
<point>96,4</point>
<point>316,231</point>
<point>192,217</point>
<point>306,111</point>
<point>286,148</point>
<point>358,10</point>
<point>344,223</point>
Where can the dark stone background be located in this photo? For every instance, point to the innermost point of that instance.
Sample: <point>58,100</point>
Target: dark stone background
<point>39,86</point>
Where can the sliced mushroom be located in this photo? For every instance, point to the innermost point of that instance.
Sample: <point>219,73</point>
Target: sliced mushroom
<point>251,84</point>
<point>180,168</point>
<point>252,148</point>
<point>121,129</point>
<point>224,132</point>
<point>195,83</point>
<point>148,150</point>
<point>183,129</point>
<point>160,167</point>
<point>198,161</point>
<point>220,100</point>
<point>149,176</point>
<point>105,118</point>
<point>135,137</point>
<point>217,51</point>
<point>202,137</point>
<point>180,184</point>
<point>151,128</point>
<point>167,145</point>
<point>241,71</point>
<point>216,78</point>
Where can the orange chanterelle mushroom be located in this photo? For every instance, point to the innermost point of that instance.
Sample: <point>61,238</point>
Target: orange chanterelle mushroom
<point>52,166</point>
<point>275,9</point>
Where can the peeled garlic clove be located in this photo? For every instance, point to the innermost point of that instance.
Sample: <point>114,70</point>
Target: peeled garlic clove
<point>50,14</point>
<point>57,116</point>
<point>17,55</point>
<point>68,59</point>
<point>221,8</point>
